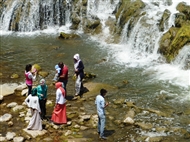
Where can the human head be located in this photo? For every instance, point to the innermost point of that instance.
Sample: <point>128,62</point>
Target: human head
<point>34,92</point>
<point>76,57</point>
<point>103,92</point>
<point>28,67</point>
<point>58,84</point>
<point>56,66</point>
<point>60,64</point>
<point>42,81</point>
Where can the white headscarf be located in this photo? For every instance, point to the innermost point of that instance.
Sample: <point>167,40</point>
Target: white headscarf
<point>77,57</point>
<point>33,102</point>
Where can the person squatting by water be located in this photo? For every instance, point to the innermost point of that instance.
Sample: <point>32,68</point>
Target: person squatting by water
<point>42,95</point>
<point>32,102</point>
<point>79,72</point>
<point>101,105</point>
<point>57,70</point>
<point>63,76</point>
<point>59,115</point>
<point>30,76</point>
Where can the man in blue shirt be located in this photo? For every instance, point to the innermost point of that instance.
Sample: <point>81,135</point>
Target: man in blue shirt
<point>100,104</point>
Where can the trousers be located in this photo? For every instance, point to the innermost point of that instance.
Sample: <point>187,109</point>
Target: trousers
<point>101,124</point>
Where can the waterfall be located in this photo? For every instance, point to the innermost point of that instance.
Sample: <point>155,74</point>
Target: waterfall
<point>32,15</point>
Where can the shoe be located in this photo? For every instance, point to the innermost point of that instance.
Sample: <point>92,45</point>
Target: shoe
<point>103,138</point>
<point>76,94</point>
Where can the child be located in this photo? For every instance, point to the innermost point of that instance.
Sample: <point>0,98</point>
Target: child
<point>56,77</point>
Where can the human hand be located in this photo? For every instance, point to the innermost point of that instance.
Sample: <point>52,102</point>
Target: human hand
<point>107,103</point>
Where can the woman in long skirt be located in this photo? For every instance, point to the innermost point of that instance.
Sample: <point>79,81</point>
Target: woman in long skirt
<point>35,121</point>
<point>59,115</point>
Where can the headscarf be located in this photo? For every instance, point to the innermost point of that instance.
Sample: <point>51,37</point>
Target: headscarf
<point>59,85</point>
<point>77,58</point>
<point>33,102</point>
<point>42,81</point>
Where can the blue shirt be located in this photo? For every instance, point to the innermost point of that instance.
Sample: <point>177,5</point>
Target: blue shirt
<point>100,104</point>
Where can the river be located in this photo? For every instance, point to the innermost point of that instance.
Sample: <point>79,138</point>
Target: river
<point>152,83</point>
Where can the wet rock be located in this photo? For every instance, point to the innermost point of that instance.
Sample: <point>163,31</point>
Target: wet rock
<point>21,87</point>
<point>35,133</point>
<point>18,139</point>
<point>68,132</point>
<point>184,8</point>
<point>161,129</point>
<point>44,74</point>
<point>18,107</point>
<point>11,105</point>
<point>173,40</point>
<point>154,139</point>
<point>85,117</point>
<point>1,98</point>
<point>145,126</point>
<point>37,67</point>
<point>83,128</point>
<point>14,76</point>
<point>10,123</point>
<point>92,24</point>
<point>128,120</point>
<point>68,36</point>
<point>164,20</point>
<point>10,135</point>
<point>7,89</point>
<point>3,139</point>
<point>5,117</point>
<point>119,101</point>
<point>130,114</point>
<point>24,92</point>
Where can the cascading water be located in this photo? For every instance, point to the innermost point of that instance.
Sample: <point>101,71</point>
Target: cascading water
<point>32,15</point>
<point>139,47</point>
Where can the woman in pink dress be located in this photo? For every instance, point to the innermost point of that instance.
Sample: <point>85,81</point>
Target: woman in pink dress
<point>59,113</point>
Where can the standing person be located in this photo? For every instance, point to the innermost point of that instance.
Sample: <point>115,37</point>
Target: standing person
<point>101,105</point>
<point>33,103</point>
<point>63,76</point>
<point>30,77</point>
<point>42,95</point>
<point>59,115</point>
<point>57,70</point>
<point>79,72</point>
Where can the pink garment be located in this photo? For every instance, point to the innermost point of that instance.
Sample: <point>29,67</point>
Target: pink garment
<point>29,81</point>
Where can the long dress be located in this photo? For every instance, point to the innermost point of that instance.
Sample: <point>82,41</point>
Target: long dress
<point>59,115</point>
<point>35,121</point>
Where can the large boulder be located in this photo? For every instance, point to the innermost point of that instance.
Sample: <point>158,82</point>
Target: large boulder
<point>127,10</point>
<point>173,40</point>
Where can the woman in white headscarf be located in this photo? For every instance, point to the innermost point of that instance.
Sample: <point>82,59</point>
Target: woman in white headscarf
<point>79,72</point>
<point>35,122</point>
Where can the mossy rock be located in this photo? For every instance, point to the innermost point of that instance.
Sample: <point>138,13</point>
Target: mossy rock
<point>37,67</point>
<point>68,36</point>
<point>43,73</point>
<point>174,40</point>
<point>14,76</point>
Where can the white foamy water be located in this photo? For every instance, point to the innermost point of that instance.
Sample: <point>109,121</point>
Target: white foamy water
<point>140,48</point>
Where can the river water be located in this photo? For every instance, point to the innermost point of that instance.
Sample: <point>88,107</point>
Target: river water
<point>152,82</point>
<point>143,87</point>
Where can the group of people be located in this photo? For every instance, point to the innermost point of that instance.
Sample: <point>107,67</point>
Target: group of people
<point>37,97</point>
